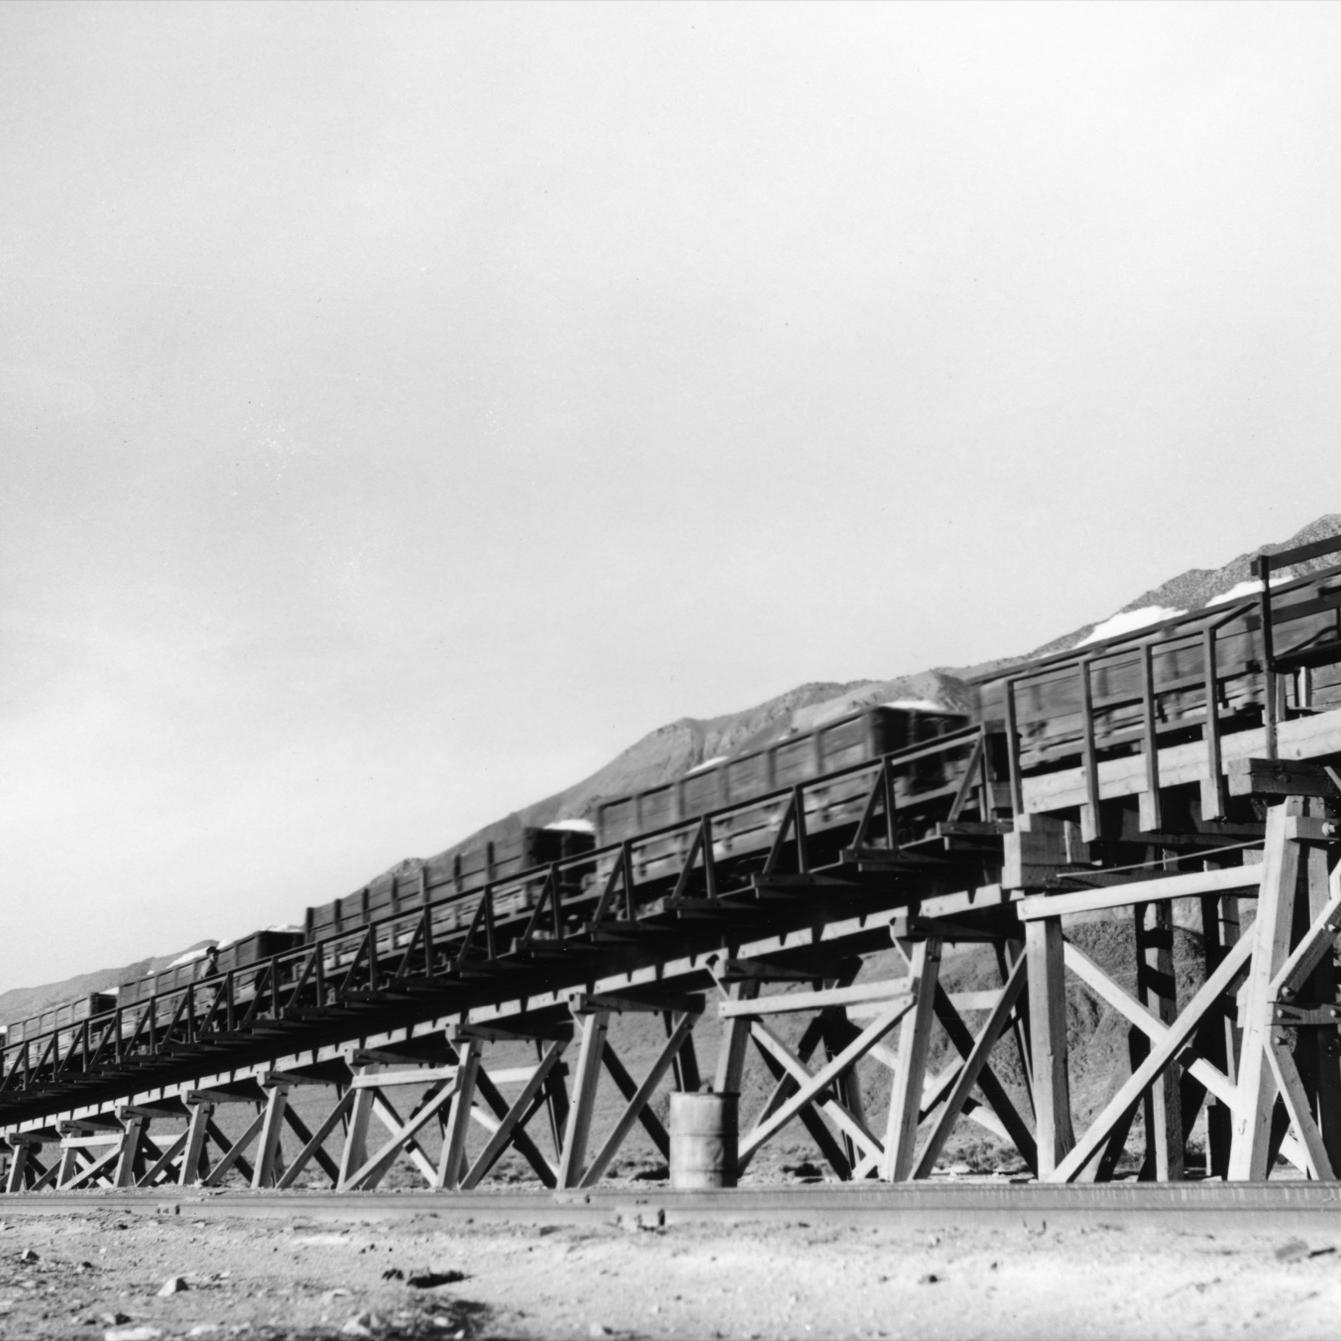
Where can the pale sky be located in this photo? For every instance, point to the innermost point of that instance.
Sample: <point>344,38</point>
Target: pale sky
<point>406,407</point>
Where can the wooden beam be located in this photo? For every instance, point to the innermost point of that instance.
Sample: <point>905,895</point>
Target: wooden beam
<point>423,1075</point>
<point>1228,879</point>
<point>1047,1031</point>
<point>1317,942</point>
<point>972,1068</point>
<point>401,1141</point>
<point>1302,738</point>
<point>520,1139</point>
<point>911,1072</point>
<point>824,1077</point>
<point>73,1177</point>
<point>1157,988</point>
<point>1270,944</point>
<point>1160,1057</point>
<point>452,1159</point>
<point>385,1112</point>
<point>312,1142</point>
<point>196,1133</point>
<point>1103,987</point>
<point>783,1067</point>
<point>1219,929</point>
<point>1280,777</point>
<point>735,1038</point>
<point>163,1164</point>
<point>1089,756</point>
<point>583,1099</point>
<point>783,1002</point>
<point>124,1175</point>
<point>1037,849</point>
<point>1001,1115</point>
<point>513,1121</point>
<point>20,1157</point>
<point>233,1154</point>
<point>355,1152</point>
<point>583,1003</point>
<point>1298,1108</point>
<point>624,1082</point>
<point>638,1101</point>
<point>269,1165</point>
<point>1315,1049</point>
<point>850,1123</point>
<point>1150,805</point>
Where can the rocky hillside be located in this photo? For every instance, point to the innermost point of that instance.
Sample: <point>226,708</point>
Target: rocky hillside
<point>1200,586</point>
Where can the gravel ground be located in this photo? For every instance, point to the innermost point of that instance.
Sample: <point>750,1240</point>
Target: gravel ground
<point>121,1276</point>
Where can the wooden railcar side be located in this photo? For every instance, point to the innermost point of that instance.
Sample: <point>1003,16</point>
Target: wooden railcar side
<point>798,758</point>
<point>1217,654</point>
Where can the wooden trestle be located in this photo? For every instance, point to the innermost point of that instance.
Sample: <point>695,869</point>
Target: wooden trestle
<point>820,987</point>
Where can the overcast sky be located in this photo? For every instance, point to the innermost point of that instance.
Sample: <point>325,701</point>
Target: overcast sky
<point>406,407</point>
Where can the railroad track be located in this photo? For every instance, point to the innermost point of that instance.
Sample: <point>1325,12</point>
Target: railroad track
<point>1276,1206</point>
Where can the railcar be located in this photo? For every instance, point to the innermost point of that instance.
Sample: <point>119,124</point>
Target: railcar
<point>254,948</point>
<point>795,758</point>
<point>31,1037</point>
<point>751,793</point>
<point>442,877</point>
<point>1251,659</point>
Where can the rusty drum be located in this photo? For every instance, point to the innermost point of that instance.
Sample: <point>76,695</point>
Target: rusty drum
<point>703,1140</point>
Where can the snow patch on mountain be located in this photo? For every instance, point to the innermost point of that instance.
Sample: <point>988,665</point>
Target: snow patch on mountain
<point>1125,621</point>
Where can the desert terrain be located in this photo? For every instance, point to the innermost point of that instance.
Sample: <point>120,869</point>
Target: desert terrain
<point>207,1269</point>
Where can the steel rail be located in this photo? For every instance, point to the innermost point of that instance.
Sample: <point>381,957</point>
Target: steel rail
<point>987,1201</point>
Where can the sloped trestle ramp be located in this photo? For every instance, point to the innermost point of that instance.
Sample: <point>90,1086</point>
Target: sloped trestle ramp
<point>800,950</point>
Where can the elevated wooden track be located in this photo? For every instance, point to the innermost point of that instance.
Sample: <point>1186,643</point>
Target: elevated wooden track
<point>432,1044</point>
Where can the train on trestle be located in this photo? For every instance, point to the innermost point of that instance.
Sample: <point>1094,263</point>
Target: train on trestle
<point>1105,694</point>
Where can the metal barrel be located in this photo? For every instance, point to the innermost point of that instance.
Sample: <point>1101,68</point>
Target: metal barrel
<point>703,1140</point>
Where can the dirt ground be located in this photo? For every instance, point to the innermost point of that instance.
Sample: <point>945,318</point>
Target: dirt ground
<point>137,1276</point>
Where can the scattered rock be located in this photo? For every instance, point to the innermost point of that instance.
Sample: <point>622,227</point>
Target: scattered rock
<point>113,1319</point>
<point>393,1273</point>
<point>598,1330</point>
<point>1291,1250</point>
<point>204,1329</point>
<point>430,1280</point>
<point>27,1255</point>
<point>173,1285</point>
<point>648,1221</point>
<point>141,1333</point>
<point>931,1278</point>
<point>362,1324</point>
